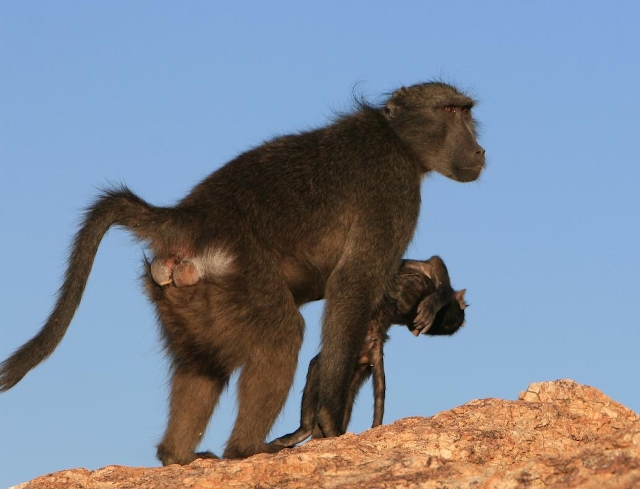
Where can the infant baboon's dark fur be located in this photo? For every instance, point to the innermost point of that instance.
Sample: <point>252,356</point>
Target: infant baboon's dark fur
<point>420,286</point>
<point>323,213</point>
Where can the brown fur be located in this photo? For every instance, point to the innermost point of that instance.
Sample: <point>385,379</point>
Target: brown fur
<point>419,285</point>
<point>324,213</point>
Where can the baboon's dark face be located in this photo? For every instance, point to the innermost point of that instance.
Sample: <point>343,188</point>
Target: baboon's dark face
<point>451,317</point>
<point>435,120</point>
<point>448,320</point>
<point>461,158</point>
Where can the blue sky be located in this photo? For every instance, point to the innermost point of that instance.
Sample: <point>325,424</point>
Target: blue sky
<point>159,94</point>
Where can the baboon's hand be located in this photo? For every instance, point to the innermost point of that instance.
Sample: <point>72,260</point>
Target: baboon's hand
<point>426,314</point>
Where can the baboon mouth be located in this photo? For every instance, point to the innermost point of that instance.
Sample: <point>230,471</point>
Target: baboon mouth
<point>469,173</point>
<point>473,168</point>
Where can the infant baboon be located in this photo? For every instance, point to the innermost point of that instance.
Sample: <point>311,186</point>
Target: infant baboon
<point>420,288</point>
<point>322,213</point>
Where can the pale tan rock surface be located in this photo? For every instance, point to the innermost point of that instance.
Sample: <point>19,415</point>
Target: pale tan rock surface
<point>557,435</point>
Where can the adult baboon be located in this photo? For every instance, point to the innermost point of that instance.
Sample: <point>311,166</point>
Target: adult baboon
<point>420,287</point>
<point>323,213</point>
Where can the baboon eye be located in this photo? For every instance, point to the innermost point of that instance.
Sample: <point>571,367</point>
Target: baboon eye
<point>466,110</point>
<point>449,108</point>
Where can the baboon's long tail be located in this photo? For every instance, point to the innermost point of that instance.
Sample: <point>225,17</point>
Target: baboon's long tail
<point>116,207</point>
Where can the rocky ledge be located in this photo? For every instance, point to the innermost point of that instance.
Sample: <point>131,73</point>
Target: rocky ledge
<point>556,435</point>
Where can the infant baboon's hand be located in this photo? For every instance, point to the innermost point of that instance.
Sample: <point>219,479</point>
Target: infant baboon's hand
<point>426,314</point>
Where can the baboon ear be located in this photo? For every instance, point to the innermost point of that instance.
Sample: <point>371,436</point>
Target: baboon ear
<point>399,92</point>
<point>392,107</point>
<point>459,296</point>
<point>390,110</point>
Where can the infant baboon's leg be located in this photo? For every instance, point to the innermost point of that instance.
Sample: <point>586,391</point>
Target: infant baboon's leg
<point>379,384</point>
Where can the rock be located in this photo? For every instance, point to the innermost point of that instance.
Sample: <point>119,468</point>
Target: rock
<point>557,435</point>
